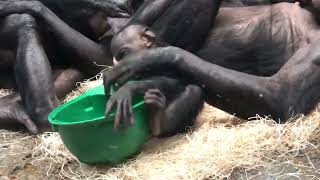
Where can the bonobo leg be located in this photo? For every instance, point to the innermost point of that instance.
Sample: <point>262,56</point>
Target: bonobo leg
<point>178,114</point>
<point>293,90</point>
<point>12,111</point>
<point>89,52</point>
<point>173,106</point>
<point>33,74</point>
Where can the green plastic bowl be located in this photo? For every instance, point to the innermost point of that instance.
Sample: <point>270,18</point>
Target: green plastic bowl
<point>90,136</point>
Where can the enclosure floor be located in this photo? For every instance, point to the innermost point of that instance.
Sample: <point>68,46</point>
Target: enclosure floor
<point>19,161</point>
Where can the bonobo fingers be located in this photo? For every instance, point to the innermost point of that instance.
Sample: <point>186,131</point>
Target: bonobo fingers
<point>28,123</point>
<point>131,117</point>
<point>124,113</point>
<point>155,97</point>
<point>127,114</point>
<point>137,63</point>
<point>110,78</point>
<point>119,115</point>
<point>125,117</point>
<point>156,92</point>
<point>111,102</point>
<point>121,73</point>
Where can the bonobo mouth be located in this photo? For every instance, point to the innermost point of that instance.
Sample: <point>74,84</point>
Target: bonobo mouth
<point>115,61</point>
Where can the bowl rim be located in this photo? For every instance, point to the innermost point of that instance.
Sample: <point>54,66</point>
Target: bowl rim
<point>60,108</point>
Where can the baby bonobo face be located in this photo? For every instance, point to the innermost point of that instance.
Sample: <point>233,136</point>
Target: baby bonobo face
<point>131,39</point>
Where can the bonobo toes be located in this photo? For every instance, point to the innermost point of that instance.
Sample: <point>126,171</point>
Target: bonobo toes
<point>43,122</point>
<point>157,104</point>
<point>13,113</point>
<point>40,115</point>
<point>156,98</point>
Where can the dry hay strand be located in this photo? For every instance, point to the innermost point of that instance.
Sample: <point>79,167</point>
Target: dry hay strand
<point>218,145</point>
<point>84,86</point>
<point>5,92</point>
<point>211,150</point>
<point>214,149</point>
<point>14,147</point>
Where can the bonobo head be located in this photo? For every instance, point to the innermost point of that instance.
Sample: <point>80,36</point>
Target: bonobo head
<point>131,39</point>
<point>90,17</point>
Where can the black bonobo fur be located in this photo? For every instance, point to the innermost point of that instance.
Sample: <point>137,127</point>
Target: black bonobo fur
<point>255,60</point>
<point>186,24</point>
<point>47,47</point>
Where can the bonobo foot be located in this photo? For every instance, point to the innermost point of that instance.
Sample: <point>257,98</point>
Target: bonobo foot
<point>157,104</point>
<point>156,98</point>
<point>13,113</point>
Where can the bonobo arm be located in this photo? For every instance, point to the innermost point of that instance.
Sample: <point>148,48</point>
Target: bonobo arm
<point>89,51</point>
<point>149,11</point>
<point>232,91</point>
<point>112,7</point>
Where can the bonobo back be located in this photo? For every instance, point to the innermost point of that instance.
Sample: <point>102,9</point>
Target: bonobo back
<point>186,23</point>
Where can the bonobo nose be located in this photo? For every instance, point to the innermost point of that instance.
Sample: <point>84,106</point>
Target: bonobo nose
<point>115,61</point>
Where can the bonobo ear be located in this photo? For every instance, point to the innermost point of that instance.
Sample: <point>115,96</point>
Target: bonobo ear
<point>149,37</point>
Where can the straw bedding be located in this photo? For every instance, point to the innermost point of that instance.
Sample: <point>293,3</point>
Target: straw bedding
<point>219,146</point>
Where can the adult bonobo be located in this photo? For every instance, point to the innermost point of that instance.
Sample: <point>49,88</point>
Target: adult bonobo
<point>173,103</point>
<point>32,67</point>
<point>159,24</point>
<point>184,24</point>
<point>265,61</point>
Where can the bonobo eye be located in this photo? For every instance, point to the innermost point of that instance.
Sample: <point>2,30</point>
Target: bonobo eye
<point>122,53</point>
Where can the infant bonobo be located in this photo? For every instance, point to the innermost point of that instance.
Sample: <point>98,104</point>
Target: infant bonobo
<point>173,104</point>
<point>168,114</point>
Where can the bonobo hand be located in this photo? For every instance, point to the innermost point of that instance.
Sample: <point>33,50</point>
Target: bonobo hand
<point>122,99</point>
<point>140,62</point>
